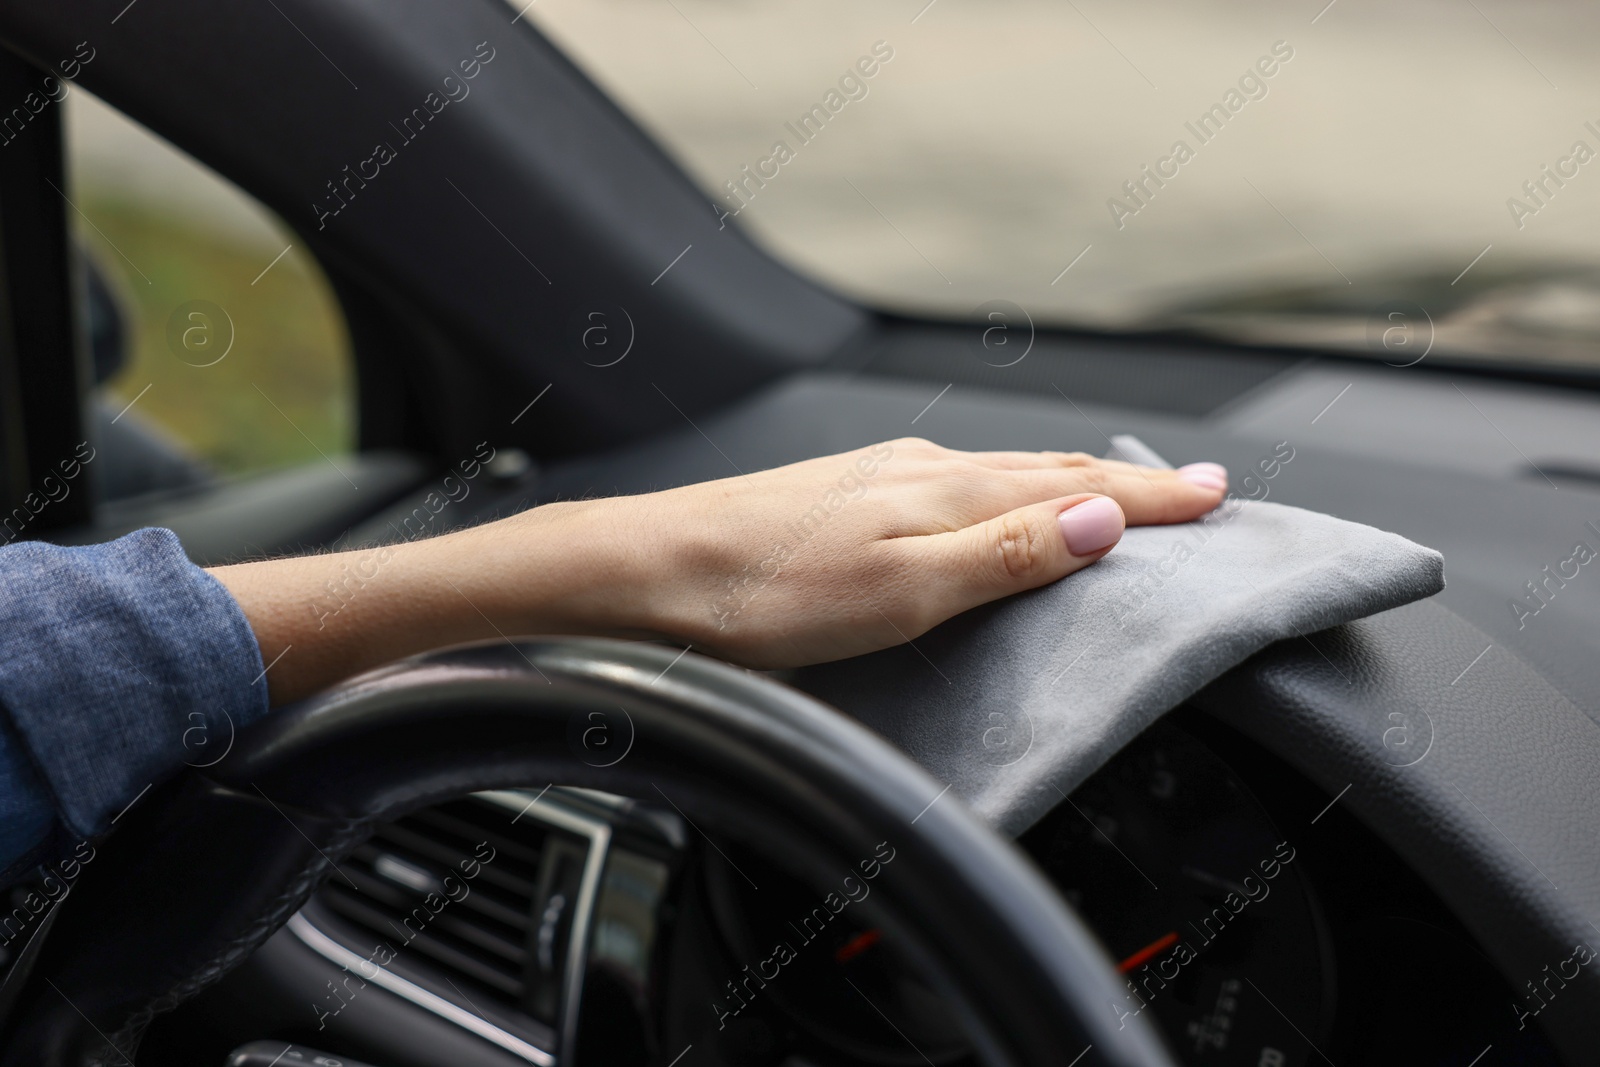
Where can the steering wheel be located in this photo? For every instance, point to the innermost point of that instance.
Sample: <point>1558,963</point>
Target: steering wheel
<point>208,866</point>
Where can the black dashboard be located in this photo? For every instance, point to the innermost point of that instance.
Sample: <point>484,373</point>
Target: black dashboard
<point>1384,907</point>
<point>1279,880</point>
<point>1251,914</point>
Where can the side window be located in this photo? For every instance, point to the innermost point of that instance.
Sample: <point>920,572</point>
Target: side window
<point>219,346</point>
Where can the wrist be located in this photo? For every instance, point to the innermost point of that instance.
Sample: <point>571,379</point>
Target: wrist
<point>571,567</point>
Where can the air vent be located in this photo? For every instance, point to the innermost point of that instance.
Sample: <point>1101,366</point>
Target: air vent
<point>453,892</point>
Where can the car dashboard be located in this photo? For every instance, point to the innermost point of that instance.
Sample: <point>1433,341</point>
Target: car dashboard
<point>1371,848</point>
<point>1253,917</point>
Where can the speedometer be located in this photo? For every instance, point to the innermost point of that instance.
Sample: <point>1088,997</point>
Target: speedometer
<point>1198,896</point>
<point>842,980</point>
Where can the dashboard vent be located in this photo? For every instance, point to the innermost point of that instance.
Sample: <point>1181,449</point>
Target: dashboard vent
<point>451,890</point>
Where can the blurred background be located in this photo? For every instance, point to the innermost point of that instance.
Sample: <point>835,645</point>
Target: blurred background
<point>166,233</point>
<point>1376,168</point>
<point>1373,174</point>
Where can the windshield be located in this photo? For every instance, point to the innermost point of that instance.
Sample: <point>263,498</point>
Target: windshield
<point>1375,177</point>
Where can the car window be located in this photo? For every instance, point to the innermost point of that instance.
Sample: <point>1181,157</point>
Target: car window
<point>1330,173</point>
<point>219,342</point>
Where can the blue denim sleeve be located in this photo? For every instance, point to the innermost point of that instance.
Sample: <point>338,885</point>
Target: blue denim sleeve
<point>119,663</point>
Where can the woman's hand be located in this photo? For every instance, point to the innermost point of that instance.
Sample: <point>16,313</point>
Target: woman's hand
<point>819,560</point>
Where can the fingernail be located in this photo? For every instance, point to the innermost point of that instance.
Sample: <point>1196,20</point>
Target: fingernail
<point>1212,476</point>
<point>1091,525</point>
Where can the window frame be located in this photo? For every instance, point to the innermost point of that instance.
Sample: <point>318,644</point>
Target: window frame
<point>44,360</point>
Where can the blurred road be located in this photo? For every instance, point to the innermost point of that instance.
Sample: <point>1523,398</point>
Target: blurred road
<point>984,154</point>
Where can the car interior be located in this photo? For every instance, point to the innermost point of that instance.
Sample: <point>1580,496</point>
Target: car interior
<point>512,253</point>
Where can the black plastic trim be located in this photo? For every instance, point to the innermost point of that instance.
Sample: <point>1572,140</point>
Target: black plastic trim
<point>44,362</point>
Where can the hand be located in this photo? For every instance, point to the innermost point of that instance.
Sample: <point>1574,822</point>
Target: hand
<point>846,554</point>
<point>819,560</point>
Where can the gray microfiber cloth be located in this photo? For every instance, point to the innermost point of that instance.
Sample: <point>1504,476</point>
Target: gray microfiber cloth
<point>1017,702</point>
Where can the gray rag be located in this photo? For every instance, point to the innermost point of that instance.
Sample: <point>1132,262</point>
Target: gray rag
<point>1015,703</point>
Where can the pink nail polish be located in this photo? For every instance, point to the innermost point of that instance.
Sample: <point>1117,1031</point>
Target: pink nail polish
<point>1211,476</point>
<point>1091,525</point>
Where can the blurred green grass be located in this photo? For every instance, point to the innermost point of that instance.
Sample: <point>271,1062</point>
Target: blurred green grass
<point>290,347</point>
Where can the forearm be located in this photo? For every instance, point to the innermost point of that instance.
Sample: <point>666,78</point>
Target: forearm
<point>322,618</point>
<point>819,560</point>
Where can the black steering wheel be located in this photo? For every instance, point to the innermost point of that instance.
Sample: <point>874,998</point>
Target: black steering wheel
<point>202,871</point>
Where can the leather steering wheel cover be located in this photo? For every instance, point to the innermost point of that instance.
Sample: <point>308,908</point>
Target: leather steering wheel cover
<point>733,749</point>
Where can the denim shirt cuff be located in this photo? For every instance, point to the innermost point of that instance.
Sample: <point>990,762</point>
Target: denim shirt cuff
<point>123,662</point>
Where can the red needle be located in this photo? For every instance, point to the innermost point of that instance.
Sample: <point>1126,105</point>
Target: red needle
<point>1149,952</point>
<point>860,943</point>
